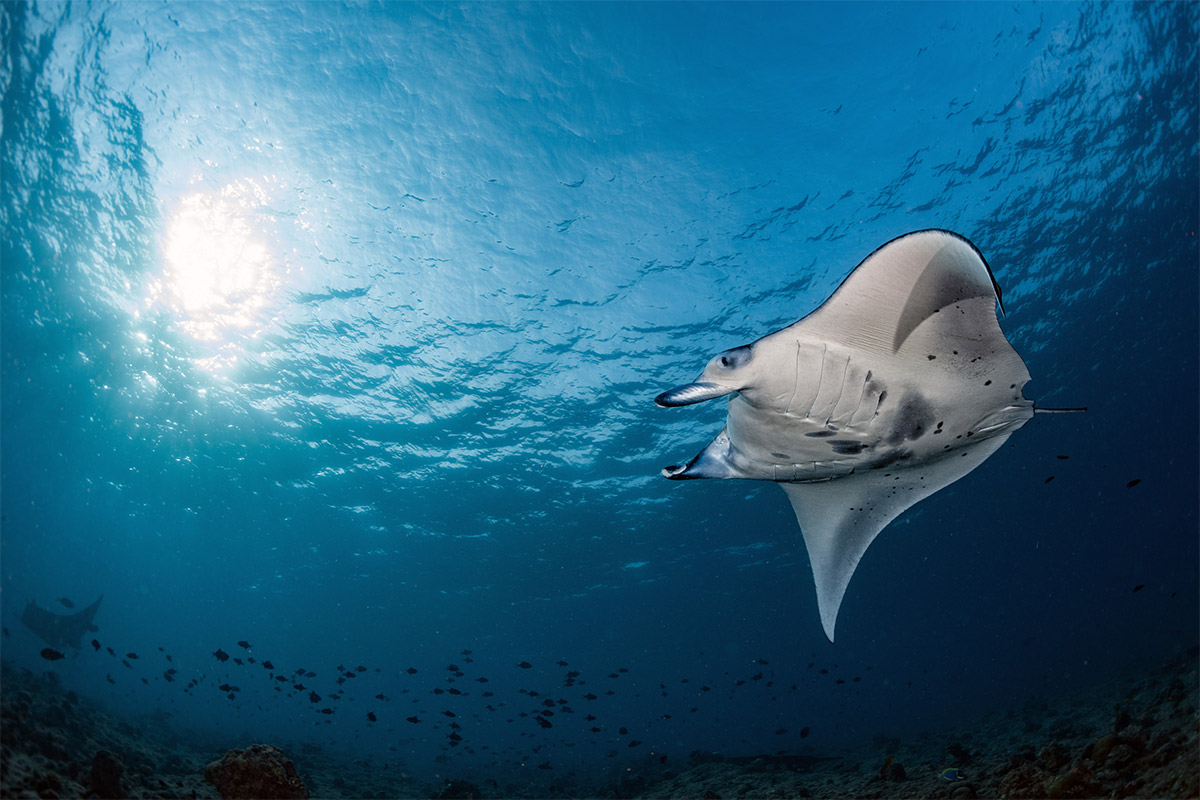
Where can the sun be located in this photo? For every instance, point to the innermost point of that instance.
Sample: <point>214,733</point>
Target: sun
<point>218,270</point>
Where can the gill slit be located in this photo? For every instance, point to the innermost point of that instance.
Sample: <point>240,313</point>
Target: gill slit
<point>820,381</point>
<point>841,391</point>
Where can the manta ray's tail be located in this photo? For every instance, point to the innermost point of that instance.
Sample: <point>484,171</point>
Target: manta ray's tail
<point>1037,410</point>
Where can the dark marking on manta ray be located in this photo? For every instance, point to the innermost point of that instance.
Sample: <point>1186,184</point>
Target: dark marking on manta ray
<point>825,434</point>
<point>912,420</point>
<point>847,447</point>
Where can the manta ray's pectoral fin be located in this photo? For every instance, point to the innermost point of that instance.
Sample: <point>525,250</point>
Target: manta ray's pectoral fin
<point>713,461</point>
<point>840,518</point>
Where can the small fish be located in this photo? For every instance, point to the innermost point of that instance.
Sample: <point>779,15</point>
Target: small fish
<point>327,711</point>
<point>268,665</point>
<point>411,670</point>
<point>96,645</point>
<point>413,720</point>
<point>635,742</point>
<point>313,697</point>
<point>524,665</point>
<point>950,774</point>
<point>804,732</point>
<point>781,731</point>
<point>243,644</point>
<point>381,696</point>
<point>1049,479</point>
<point>545,723</point>
<point>51,654</point>
<point>221,655</point>
<point>883,770</point>
<point>66,603</point>
<point>371,716</point>
<point>238,661</point>
<point>1139,587</point>
<point>360,669</point>
<point>1063,458</point>
<point>132,655</point>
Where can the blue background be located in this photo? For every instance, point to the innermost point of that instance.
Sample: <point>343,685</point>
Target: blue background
<point>336,328</point>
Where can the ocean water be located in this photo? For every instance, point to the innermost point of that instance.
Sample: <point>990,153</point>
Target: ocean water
<point>336,328</point>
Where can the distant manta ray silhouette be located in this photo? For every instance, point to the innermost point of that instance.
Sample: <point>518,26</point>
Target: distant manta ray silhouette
<point>898,385</point>
<point>60,631</point>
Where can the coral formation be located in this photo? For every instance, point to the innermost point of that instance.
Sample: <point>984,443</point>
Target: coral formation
<point>259,771</point>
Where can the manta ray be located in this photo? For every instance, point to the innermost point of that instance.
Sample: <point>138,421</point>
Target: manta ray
<point>60,631</point>
<point>895,387</point>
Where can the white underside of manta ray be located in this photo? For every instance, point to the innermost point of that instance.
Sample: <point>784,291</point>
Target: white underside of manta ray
<point>898,385</point>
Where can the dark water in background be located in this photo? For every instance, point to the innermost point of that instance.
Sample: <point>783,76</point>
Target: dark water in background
<point>337,328</point>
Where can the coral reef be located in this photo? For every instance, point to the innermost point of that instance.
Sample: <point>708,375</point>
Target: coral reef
<point>1115,741</point>
<point>1130,738</point>
<point>260,771</point>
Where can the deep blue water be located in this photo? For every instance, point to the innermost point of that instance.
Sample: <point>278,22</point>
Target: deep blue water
<point>337,328</point>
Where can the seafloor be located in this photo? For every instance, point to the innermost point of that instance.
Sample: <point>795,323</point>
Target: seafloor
<point>1126,738</point>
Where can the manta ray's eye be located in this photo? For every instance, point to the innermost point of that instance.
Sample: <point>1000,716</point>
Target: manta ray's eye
<point>734,358</point>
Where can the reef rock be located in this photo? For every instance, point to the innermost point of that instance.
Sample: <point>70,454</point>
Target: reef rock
<point>106,775</point>
<point>259,771</point>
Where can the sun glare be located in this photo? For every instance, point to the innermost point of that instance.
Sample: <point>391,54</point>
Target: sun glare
<point>218,270</point>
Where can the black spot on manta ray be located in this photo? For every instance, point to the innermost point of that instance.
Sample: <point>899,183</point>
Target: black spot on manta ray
<point>913,419</point>
<point>846,447</point>
<point>821,434</point>
<point>891,458</point>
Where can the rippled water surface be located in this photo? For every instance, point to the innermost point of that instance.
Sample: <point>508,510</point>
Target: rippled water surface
<point>336,328</point>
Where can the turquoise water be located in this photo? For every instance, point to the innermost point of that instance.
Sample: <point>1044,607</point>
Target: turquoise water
<point>337,328</point>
